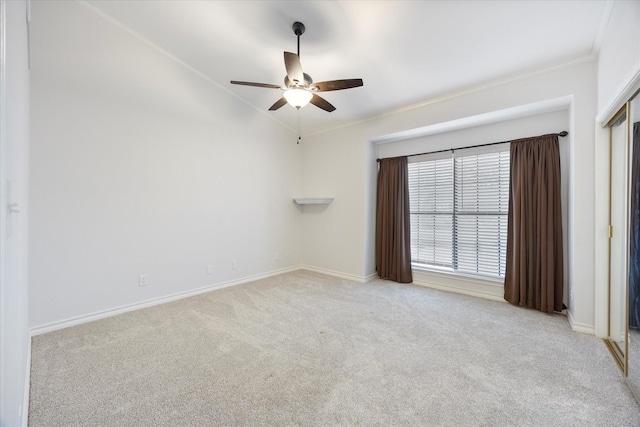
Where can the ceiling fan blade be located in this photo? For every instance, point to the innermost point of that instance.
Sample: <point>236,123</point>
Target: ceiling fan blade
<point>294,68</point>
<point>322,103</point>
<point>266,85</point>
<point>336,85</point>
<point>279,103</point>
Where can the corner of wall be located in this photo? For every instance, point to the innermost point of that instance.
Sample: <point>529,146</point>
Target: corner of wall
<point>14,143</point>
<point>579,327</point>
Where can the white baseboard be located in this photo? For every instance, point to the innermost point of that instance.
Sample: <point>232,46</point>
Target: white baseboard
<point>371,277</point>
<point>27,388</point>
<point>580,327</point>
<point>42,329</point>
<point>336,273</point>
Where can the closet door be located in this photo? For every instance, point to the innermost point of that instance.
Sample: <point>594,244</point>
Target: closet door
<point>618,242</point>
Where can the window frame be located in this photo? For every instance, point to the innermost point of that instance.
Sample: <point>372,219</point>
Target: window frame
<point>453,267</point>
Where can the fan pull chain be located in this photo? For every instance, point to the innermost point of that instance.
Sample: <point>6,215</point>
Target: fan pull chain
<point>299,128</point>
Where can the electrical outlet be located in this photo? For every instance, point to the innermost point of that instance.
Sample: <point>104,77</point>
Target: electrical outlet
<point>143,280</point>
<point>234,264</point>
<point>210,269</point>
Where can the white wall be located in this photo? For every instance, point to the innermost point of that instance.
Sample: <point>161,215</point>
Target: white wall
<point>333,236</point>
<point>141,166</point>
<point>353,176</point>
<point>14,117</point>
<point>619,58</point>
<point>535,124</point>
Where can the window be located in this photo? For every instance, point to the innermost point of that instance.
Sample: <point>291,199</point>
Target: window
<point>459,209</point>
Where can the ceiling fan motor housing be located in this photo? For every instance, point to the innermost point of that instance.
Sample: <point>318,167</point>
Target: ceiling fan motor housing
<point>298,28</point>
<point>307,81</point>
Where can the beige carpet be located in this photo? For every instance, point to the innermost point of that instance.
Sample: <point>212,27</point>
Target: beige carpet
<point>311,350</point>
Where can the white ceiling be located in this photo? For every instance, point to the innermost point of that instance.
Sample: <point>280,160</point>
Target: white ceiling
<point>407,52</point>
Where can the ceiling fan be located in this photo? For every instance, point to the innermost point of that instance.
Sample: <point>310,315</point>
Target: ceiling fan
<point>299,88</point>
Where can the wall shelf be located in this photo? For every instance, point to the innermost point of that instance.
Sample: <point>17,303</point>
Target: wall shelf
<point>313,200</point>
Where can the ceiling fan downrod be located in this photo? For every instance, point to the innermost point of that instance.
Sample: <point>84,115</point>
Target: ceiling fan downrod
<point>298,30</point>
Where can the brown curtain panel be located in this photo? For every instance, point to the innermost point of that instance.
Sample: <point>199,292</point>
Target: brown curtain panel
<point>534,269</point>
<point>393,231</point>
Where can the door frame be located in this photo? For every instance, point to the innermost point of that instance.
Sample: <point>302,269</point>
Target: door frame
<point>619,354</point>
<point>602,171</point>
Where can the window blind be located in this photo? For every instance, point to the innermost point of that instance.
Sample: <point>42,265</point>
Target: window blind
<point>431,206</point>
<point>458,209</point>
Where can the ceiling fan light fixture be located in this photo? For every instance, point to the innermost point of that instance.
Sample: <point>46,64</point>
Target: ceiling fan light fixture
<point>298,98</point>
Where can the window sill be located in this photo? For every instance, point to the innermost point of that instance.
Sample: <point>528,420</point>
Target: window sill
<point>453,274</point>
<point>485,287</point>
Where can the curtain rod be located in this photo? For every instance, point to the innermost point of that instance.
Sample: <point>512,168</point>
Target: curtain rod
<point>563,134</point>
